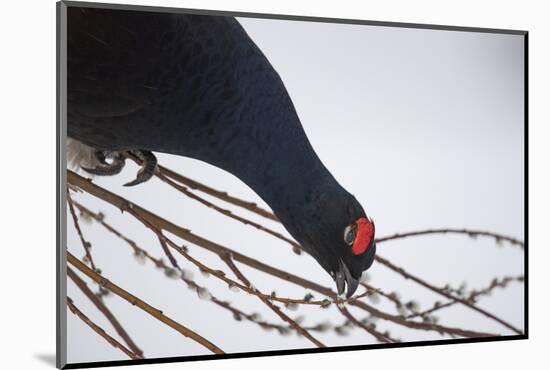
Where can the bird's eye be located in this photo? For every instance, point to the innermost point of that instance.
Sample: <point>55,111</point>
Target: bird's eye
<point>349,234</point>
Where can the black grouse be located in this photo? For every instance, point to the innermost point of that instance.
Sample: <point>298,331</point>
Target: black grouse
<point>198,86</point>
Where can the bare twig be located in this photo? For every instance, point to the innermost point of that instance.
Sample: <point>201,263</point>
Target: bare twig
<point>156,313</point>
<point>472,297</point>
<point>250,206</point>
<point>169,254</point>
<point>379,336</point>
<point>267,214</point>
<point>100,331</point>
<point>237,313</point>
<point>433,288</point>
<point>219,274</point>
<point>160,264</point>
<point>85,243</point>
<point>227,259</point>
<point>161,223</point>
<point>470,232</point>
<point>293,278</point>
<point>104,310</point>
<point>297,248</point>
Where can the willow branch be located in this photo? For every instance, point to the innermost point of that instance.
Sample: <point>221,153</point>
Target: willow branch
<point>156,223</point>
<point>156,313</point>
<point>169,254</point>
<point>390,296</point>
<point>100,331</point>
<point>435,289</point>
<point>185,234</point>
<point>237,313</point>
<point>470,232</point>
<point>267,214</point>
<point>222,195</point>
<point>297,248</point>
<point>379,336</point>
<point>221,275</point>
<point>268,303</point>
<point>328,292</point>
<point>85,244</point>
<point>105,311</point>
<point>472,297</point>
<point>137,250</point>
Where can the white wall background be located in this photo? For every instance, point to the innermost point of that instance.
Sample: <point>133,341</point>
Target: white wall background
<point>31,335</point>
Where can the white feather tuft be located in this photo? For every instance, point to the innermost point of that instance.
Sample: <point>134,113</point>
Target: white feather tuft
<point>80,155</point>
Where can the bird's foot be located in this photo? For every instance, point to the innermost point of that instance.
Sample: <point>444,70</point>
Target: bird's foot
<point>105,168</point>
<point>148,166</point>
<point>147,170</point>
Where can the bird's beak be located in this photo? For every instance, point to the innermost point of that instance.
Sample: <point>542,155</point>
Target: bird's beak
<point>342,277</point>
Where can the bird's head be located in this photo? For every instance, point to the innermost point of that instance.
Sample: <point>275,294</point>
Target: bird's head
<point>357,256</point>
<point>340,236</point>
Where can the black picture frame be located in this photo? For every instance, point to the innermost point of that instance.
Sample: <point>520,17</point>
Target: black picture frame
<point>61,217</point>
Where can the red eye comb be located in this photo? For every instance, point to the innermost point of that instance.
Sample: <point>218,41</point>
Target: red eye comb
<point>364,236</point>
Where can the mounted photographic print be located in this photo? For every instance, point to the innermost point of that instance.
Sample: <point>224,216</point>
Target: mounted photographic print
<point>235,184</point>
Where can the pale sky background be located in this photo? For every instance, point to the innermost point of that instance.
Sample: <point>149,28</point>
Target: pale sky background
<point>424,127</point>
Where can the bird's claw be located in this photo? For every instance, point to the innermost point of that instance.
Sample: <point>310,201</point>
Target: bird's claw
<point>147,170</point>
<point>148,167</point>
<point>105,168</point>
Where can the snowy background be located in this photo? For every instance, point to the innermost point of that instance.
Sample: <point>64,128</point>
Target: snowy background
<point>436,116</point>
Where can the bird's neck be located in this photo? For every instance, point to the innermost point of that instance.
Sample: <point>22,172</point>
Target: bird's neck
<point>257,136</point>
<point>275,158</point>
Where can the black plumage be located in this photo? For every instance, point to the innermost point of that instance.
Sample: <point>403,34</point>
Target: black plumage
<point>198,86</point>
